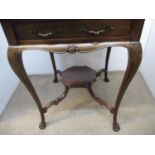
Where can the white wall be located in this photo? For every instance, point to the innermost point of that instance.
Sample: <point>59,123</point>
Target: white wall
<point>148,64</point>
<point>8,80</point>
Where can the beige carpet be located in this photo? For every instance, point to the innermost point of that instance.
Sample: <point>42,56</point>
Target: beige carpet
<point>79,113</point>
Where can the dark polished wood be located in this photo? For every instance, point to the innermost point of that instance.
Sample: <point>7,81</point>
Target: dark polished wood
<point>106,79</point>
<point>105,31</point>
<point>22,32</point>
<point>54,67</point>
<point>78,77</point>
<point>134,59</point>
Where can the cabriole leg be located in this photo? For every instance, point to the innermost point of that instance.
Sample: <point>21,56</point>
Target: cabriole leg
<point>134,59</point>
<point>16,62</point>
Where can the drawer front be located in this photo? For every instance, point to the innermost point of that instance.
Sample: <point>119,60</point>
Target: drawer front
<point>70,31</point>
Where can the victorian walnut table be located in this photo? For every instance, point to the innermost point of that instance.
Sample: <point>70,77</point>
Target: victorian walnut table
<point>71,36</point>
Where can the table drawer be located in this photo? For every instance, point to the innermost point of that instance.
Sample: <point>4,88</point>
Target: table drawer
<point>70,31</point>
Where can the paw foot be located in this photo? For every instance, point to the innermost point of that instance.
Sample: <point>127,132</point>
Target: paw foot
<point>42,125</point>
<point>116,127</point>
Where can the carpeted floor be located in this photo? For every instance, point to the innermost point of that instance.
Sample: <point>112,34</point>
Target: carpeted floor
<point>78,113</point>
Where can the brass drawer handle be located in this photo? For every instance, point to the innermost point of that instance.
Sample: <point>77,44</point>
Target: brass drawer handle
<point>44,35</point>
<point>41,35</point>
<point>99,32</point>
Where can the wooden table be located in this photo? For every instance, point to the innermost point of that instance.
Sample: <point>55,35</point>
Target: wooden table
<point>71,36</point>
